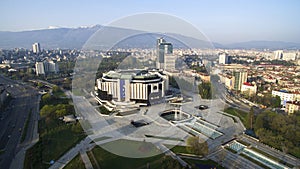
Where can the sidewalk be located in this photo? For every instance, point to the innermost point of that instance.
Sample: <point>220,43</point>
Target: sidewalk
<point>67,157</point>
<point>86,160</point>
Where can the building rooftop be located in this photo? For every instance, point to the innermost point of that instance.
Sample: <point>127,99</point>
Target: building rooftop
<point>294,102</point>
<point>131,74</point>
<point>247,84</point>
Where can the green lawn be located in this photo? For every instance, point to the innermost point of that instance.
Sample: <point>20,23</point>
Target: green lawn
<point>199,164</point>
<point>51,146</point>
<point>243,142</point>
<point>92,159</point>
<point>55,136</point>
<point>235,112</point>
<point>108,160</point>
<point>164,138</point>
<point>178,149</point>
<point>130,148</point>
<point>24,133</point>
<point>76,162</point>
<point>59,94</point>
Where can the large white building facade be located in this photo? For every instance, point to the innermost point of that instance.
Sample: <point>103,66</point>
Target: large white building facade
<point>42,68</point>
<point>133,86</point>
<point>36,48</point>
<point>286,96</point>
<point>224,58</point>
<point>39,68</point>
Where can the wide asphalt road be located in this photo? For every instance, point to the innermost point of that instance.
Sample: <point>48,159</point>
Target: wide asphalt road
<point>25,100</point>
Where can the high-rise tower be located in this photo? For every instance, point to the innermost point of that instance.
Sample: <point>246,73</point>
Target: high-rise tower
<point>36,48</point>
<point>162,48</point>
<point>240,76</point>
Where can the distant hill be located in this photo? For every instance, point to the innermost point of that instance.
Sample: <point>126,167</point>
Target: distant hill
<point>75,38</point>
<point>68,38</point>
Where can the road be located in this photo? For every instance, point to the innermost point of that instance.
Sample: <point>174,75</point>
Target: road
<point>231,160</point>
<point>273,152</point>
<point>25,100</point>
<point>227,96</point>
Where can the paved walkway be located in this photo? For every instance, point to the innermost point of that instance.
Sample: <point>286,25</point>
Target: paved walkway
<point>171,153</point>
<point>86,160</point>
<point>84,145</point>
<point>67,157</point>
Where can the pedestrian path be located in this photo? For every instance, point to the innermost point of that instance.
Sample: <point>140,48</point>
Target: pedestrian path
<point>86,160</point>
<point>67,157</point>
<point>171,153</point>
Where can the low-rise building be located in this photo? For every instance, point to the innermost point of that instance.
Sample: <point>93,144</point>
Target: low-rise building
<point>292,107</point>
<point>285,96</point>
<point>228,80</point>
<point>204,76</point>
<point>249,89</point>
<point>169,62</point>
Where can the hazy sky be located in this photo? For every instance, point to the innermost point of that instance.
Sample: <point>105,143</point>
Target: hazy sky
<point>223,21</point>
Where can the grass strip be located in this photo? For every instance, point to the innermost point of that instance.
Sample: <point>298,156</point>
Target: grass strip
<point>164,138</point>
<point>76,162</point>
<point>26,127</point>
<point>254,161</point>
<point>243,142</point>
<point>271,157</point>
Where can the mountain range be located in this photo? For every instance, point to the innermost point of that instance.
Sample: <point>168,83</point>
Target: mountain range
<point>75,38</point>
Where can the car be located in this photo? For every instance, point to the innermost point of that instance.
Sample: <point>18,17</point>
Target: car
<point>203,107</point>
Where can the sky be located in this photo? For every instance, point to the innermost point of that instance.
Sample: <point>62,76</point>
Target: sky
<point>223,21</point>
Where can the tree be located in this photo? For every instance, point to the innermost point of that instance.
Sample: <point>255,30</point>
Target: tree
<point>250,119</point>
<point>40,84</point>
<point>172,82</point>
<point>77,128</point>
<point>278,123</point>
<point>276,101</point>
<point>259,122</point>
<point>205,90</point>
<point>46,110</point>
<point>264,135</point>
<point>197,146</point>
<point>46,99</point>
<point>169,163</point>
<point>279,131</point>
<point>56,89</point>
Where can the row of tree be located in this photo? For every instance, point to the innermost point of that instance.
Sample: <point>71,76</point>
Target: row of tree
<point>277,130</point>
<point>267,100</point>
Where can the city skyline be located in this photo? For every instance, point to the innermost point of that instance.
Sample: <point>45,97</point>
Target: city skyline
<point>224,22</point>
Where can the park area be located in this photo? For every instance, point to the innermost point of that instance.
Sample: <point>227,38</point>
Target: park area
<point>55,136</point>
